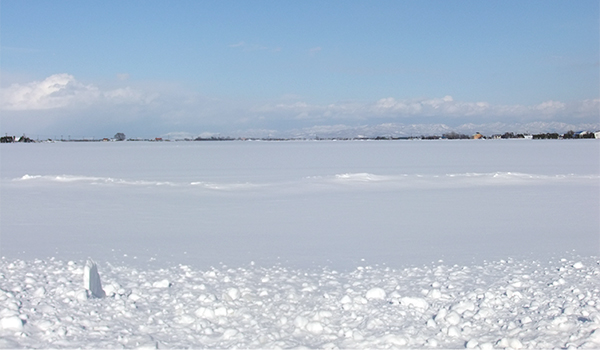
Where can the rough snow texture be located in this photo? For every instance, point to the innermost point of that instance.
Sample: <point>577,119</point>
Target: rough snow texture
<point>343,236</point>
<point>504,304</point>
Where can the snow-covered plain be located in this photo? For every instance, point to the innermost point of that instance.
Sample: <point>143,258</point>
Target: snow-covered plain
<point>406,244</point>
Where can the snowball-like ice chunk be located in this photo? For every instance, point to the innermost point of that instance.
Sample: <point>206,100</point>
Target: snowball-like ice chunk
<point>162,284</point>
<point>395,340</point>
<point>232,294</point>
<point>300,321</point>
<point>375,293</point>
<point>471,344</point>
<point>13,323</point>
<point>454,332</point>
<point>314,327</point>
<point>463,306</point>
<point>509,343</point>
<point>418,303</point>
<point>453,318</point>
<point>204,312</point>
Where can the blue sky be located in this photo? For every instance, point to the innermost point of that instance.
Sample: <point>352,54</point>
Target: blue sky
<point>157,67</point>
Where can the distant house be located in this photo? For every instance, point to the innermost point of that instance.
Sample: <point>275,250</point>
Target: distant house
<point>597,134</point>
<point>7,139</point>
<point>24,139</point>
<point>477,136</point>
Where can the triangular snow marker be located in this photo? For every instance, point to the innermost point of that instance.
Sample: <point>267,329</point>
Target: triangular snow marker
<point>91,280</point>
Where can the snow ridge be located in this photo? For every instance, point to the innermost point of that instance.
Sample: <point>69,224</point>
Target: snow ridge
<point>399,180</point>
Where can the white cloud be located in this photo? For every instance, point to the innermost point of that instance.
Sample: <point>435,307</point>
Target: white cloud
<point>445,106</point>
<point>549,107</point>
<point>589,107</point>
<point>56,91</point>
<point>61,102</point>
<point>63,91</point>
<point>438,109</point>
<point>126,95</point>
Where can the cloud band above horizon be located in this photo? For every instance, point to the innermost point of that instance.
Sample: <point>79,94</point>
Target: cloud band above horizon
<point>61,103</point>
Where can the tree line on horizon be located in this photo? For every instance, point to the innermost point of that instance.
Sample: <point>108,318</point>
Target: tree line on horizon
<point>446,136</point>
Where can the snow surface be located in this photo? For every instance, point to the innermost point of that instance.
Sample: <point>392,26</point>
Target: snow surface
<point>514,303</point>
<point>405,244</point>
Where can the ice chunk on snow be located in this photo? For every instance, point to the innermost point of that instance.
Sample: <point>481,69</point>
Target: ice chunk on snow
<point>230,333</point>
<point>204,312</point>
<point>395,340</point>
<point>81,295</point>
<point>232,294</point>
<point>454,332</point>
<point>346,300</point>
<point>221,311</point>
<point>91,279</point>
<point>486,346</point>
<point>510,343</point>
<point>300,321</point>
<point>463,306</point>
<point>149,345</point>
<point>453,318</point>
<point>471,344</point>
<point>162,284</point>
<point>434,294</point>
<point>185,320</point>
<point>314,327</point>
<point>375,293</point>
<point>595,336</point>
<point>13,323</point>
<point>418,303</point>
<point>39,292</point>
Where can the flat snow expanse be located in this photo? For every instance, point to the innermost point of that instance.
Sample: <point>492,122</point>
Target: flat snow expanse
<point>302,244</point>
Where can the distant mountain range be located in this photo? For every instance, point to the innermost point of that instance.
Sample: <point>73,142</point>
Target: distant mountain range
<point>406,130</point>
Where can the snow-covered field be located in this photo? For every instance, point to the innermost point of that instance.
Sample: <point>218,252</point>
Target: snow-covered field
<point>406,244</point>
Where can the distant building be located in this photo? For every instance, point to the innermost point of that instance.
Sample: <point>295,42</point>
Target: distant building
<point>477,136</point>
<point>597,134</point>
<point>7,139</point>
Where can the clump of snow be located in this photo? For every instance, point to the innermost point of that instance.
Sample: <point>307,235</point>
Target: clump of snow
<point>164,283</point>
<point>11,323</point>
<point>415,302</point>
<point>505,304</point>
<point>375,293</point>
